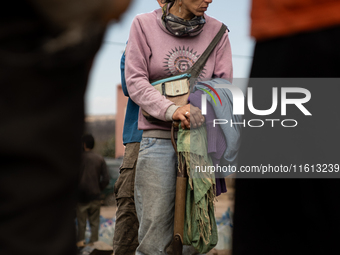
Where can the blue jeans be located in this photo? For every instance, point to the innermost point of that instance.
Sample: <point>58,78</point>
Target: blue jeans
<point>155,187</point>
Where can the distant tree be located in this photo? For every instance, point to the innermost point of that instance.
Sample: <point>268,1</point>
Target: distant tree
<point>109,149</point>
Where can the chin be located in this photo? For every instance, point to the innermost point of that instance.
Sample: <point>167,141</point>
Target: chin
<point>199,13</point>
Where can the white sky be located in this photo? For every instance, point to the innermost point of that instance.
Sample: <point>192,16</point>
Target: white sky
<point>105,74</point>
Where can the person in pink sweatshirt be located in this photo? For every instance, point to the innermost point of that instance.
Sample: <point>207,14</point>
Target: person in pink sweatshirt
<point>164,43</point>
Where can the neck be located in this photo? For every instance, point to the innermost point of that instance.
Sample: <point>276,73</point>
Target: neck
<point>184,14</point>
<point>85,148</point>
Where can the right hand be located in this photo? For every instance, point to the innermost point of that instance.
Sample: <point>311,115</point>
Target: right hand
<point>187,118</point>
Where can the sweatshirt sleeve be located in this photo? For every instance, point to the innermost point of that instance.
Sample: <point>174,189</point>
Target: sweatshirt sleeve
<point>137,63</point>
<point>223,65</point>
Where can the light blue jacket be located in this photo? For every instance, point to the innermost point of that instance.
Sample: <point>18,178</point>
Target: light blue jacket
<point>225,112</point>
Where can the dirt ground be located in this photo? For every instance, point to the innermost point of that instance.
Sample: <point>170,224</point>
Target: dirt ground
<point>222,203</point>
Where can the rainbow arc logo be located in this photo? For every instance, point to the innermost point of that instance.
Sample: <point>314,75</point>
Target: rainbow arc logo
<point>209,93</point>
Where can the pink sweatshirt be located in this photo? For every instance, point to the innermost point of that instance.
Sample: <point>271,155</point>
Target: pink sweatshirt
<point>153,53</point>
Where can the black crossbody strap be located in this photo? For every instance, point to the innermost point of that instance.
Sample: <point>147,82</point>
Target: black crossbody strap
<point>196,69</point>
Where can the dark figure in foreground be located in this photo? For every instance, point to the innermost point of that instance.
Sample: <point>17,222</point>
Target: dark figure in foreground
<point>292,216</point>
<point>94,177</point>
<point>46,50</point>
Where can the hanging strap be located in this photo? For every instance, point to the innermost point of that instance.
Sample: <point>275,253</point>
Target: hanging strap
<point>196,69</point>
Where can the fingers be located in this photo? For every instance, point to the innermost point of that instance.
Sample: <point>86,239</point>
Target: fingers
<point>190,116</point>
<point>185,123</point>
<point>182,114</point>
<point>196,117</point>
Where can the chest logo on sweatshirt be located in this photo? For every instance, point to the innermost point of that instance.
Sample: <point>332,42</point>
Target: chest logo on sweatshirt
<point>179,60</point>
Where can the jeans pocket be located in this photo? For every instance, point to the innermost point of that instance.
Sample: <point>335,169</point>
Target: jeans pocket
<point>147,142</point>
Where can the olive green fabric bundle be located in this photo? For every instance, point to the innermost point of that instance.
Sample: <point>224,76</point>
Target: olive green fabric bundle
<point>200,229</point>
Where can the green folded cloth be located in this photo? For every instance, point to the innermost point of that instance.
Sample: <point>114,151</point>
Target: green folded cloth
<point>200,229</point>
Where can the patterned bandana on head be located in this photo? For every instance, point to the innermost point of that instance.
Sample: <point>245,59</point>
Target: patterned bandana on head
<point>180,27</point>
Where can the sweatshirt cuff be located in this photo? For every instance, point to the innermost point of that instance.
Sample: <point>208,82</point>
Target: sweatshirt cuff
<point>170,111</point>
